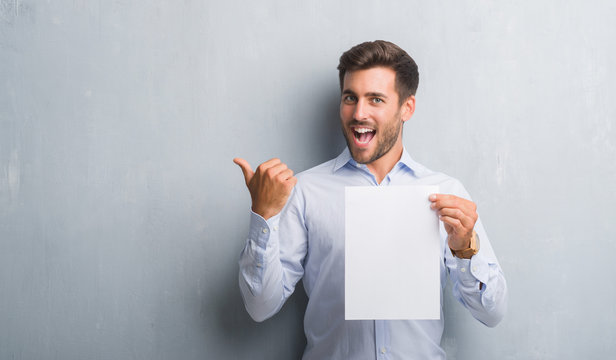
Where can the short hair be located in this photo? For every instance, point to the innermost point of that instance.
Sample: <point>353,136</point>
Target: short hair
<point>377,53</point>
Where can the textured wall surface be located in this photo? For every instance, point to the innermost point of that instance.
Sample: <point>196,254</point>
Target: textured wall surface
<point>122,215</point>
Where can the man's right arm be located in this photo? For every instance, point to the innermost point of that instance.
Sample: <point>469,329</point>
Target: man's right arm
<point>271,265</point>
<point>269,272</point>
<point>260,275</point>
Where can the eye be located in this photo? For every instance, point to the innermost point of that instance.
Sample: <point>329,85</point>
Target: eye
<point>349,99</point>
<point>377,100</point>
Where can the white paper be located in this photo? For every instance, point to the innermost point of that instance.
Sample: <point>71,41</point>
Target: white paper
<point>392,260</point>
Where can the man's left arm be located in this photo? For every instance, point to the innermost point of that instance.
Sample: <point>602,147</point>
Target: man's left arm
<point>478,281</point>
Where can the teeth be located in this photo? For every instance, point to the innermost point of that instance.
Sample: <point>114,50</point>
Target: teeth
<point>363,130</point>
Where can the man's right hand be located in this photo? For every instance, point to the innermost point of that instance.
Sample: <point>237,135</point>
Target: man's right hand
<point>269,186</point>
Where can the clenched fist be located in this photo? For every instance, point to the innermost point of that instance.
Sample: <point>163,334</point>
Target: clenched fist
<point>269,186</point>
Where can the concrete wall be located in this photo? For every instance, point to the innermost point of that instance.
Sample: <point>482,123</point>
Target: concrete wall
<point>122,215</point>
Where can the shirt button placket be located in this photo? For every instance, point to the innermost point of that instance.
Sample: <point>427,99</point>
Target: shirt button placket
<point>381,339</point>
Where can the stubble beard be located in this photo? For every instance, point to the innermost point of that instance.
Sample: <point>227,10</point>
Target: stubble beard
<point>385,143</point>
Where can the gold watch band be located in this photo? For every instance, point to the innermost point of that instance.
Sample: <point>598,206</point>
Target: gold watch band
<point>470,251</point>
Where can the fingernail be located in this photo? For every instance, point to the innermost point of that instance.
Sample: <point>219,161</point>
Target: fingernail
<point>433,197</point>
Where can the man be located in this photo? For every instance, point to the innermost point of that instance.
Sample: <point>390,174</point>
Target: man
<point>297,224</point>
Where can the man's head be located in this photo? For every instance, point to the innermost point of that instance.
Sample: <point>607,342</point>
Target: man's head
<point>382,53</point>
<point>378,81</point>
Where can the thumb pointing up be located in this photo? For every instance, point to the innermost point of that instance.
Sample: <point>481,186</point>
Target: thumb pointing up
<point>246,169</point>
<point>269,187</point>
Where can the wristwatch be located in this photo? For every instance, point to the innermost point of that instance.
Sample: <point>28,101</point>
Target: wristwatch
<point>470,251</point>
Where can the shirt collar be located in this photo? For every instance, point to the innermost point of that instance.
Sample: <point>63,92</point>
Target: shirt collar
<point>343,159</point>
<point>405,161</point>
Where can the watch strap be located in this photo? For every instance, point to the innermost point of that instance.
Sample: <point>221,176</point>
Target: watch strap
<point>470,251</point>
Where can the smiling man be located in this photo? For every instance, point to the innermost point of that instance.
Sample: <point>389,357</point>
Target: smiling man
<point>372,114</point>
<point>297,223</point>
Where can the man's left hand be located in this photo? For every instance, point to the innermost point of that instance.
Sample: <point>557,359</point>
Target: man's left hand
<point>458,215</point>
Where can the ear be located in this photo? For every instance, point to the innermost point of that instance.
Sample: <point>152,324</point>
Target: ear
<point>408,108</point>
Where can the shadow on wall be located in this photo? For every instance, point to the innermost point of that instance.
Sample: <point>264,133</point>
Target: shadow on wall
<point>280,337</point>
<point>333,140</point>
<point>316,124</point>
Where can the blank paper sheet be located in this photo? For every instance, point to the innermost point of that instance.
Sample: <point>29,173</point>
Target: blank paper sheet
<point>392,253</point>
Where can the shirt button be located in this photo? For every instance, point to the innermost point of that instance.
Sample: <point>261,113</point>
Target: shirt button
<point>474,268</point>
<point>463,270</point>
<point>383,350</point>
<point>264,230</point>
<point>275,228</point>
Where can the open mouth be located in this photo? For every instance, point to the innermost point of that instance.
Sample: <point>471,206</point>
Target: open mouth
<point>363,135</point>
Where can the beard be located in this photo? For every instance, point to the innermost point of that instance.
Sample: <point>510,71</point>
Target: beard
<point>387,138</point>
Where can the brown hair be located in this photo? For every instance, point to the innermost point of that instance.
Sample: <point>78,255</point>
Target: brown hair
<point>382,53</point>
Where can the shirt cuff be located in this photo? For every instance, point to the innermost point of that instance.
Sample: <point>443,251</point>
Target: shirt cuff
<point>260,229</point>
<point>472,270</point>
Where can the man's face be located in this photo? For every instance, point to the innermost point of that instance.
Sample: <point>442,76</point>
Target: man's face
<point>370,113</point>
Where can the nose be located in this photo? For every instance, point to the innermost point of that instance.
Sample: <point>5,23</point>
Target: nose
<point>360,111</point>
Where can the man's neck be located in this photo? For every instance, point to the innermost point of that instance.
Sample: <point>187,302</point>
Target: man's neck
<point>383,165</point>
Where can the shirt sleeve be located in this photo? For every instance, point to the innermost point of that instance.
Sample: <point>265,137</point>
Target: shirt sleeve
<point>479,283</point>
<point>268,272</point>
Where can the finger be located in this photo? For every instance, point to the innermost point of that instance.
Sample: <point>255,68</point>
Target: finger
<point>285,175</point>
<point>246,169</point>
<point>275,170</point>
<point>268,164</point>
<point>453,222</point>
<point>290,182</point>
<point>436,197</point>
<point>443,200</point>
<point>440,201</point>
<point>465,219</point>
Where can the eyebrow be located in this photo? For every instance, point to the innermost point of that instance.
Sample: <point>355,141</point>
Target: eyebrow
<point>369,94</point>
<point>376,94</point>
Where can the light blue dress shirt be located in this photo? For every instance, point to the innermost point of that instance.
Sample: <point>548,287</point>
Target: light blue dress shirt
<point>306,240</point>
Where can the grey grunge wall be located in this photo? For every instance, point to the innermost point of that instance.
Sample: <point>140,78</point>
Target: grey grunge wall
<point>122,215</point>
